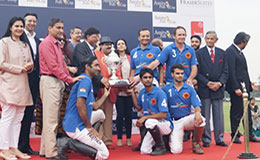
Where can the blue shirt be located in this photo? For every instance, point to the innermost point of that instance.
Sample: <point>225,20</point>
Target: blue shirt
<point>179,102</point>
<point>82,88</point>
<point>143,57</point>
<point>154,102</point>
<point>171,55</point>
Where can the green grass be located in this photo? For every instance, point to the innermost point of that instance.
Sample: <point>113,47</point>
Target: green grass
<point>226,110</point>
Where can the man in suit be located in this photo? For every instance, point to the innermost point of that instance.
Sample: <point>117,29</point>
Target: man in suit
<point>86,49</point>
<point>212,76</point>
<point>238,73</point>
<point>34,78</point>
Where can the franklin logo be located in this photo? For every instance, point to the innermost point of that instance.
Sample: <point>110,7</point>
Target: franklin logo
<point>197,2</point>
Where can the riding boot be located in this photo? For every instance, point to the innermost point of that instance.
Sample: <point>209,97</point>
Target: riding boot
<point>97,125</point>
<point>196,147</point>
<point>63,146</point>
<point>159,147</point>
<point>143,132</point>
<point>82,148</point>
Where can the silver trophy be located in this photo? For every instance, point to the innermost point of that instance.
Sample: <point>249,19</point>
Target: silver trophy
<point>113,62</point>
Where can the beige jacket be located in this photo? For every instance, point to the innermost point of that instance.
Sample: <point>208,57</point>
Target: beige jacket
<point>14,86</point>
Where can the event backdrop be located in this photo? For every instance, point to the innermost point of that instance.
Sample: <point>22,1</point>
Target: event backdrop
<point>117,18</point>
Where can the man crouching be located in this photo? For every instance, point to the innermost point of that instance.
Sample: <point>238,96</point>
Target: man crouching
<point>180,97</point>
<point>77,120</point>
<point>156,117</point>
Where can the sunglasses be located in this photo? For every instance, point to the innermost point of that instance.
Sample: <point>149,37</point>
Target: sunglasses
<point>62,39</point>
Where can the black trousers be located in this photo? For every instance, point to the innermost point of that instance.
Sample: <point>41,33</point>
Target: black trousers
<point>124,106</point>
<point>23,143</point>
<point>236,113</point>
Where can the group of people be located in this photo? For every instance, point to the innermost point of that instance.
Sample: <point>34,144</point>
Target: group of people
<point>173,89</point>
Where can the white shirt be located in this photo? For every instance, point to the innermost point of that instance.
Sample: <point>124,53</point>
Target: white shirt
<point>32,41</point>
<point>91,48</point>
<point>210,49</point>
<point>237,47</point>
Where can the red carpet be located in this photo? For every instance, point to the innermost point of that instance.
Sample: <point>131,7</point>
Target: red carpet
<point>125,153</point>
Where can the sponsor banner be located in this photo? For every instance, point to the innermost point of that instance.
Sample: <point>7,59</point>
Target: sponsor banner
<point>164,33</point>
<point>88,4</point>
<point>196,7</point>
<point>114,4</point>
<point>140,5</point>
<point>61,3</point>
<point>9,2</point>
<point>165,19</point>
<point>197,28</point>
<point>33,3</point>
<point>164,5</point>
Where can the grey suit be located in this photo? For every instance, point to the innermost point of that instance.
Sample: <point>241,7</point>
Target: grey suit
<point>215,72</point>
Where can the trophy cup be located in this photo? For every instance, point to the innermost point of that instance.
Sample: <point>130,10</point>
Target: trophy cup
<point>113,62</point>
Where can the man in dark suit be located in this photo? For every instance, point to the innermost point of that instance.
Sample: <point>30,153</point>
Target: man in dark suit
<point>212,76</point>
<point>34,78</point>
<point>85,49</point>
<point>238,73</point>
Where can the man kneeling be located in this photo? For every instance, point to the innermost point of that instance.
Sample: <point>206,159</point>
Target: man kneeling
<point>156,117</point>
<point>180,98</point>
<point>76,123</point>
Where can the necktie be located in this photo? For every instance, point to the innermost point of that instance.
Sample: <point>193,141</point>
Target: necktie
<point>212,55</point>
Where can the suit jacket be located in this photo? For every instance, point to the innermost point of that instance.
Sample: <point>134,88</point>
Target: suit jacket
<point>208,71</point>
<point>238,72</point>
<point>80,52</point>
<point>34,76</point>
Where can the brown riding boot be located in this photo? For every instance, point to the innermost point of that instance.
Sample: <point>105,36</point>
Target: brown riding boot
<point>196,147</point>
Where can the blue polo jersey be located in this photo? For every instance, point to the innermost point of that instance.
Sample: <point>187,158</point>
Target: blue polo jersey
<point>179,102</point>
<point>154,102</point>
<point>171,55</point>
<point>82,88</point>
<point>143,57</point>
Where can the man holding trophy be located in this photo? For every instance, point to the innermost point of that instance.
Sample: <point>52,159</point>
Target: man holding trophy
<point>109,63</point>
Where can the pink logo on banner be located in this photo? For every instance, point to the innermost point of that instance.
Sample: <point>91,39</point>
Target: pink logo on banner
<point>197,28</point>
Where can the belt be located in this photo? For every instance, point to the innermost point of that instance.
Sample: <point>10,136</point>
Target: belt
<point>176,119</point>
<point>51,75</point>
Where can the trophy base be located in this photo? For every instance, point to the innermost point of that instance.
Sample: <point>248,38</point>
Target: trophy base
<point>248,155</point>
<point>124,83</point>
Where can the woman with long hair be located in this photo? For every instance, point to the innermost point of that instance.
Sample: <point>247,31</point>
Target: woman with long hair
<point>15,63</point>
<point>124,101</point>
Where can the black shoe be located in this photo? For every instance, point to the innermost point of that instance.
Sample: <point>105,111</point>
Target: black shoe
<point>237,140</point>
<point>136,148</point>
<point>221,144</point>
<point>58,157</point>
<point>158,150</point>
<point>32,152</point>
<point>253,139</point>
<point>206,145</point>
<point>42,156</point>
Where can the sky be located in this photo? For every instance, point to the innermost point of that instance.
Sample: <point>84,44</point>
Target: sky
<point>233,16</point>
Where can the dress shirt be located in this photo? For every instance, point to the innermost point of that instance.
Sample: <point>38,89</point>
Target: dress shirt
<point>32,41</point>
<point>210,49</point>
<point>52,60</point>
<point>91,48</point>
